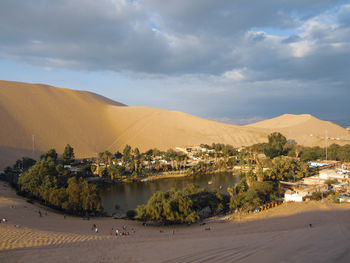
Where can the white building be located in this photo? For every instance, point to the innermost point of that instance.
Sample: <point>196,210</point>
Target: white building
<point>294,196</point>
<point>344,199</point>
<point>299,195</point>
<point>331,174</point>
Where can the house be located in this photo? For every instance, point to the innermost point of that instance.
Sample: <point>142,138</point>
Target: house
<point>162,161</point>
<point>314,180</point>
<point>343,171</point>
<point>294,196</point>
<point>316,165</point>
<point>72,169</point>
<point>331,174</point>
<point>344,199</point>
<point>300,193</point>
<point>346,166</point>
<point>340,187</point>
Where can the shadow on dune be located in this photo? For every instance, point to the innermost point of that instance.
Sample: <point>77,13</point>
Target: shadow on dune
<point>9,154</point>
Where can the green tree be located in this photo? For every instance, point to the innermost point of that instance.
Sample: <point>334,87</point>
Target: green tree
<point>126,153</point>
<point>48,181</point>
<point>50,154</point>
<point>172,206</point>
<point>82,197</point>
<point>115,172</point>
<point>24,164</point>
<point>230,190</point>
<point>344,153</point>
<point>275,145</point>
<point>68,155</point>
<point>136,153</point>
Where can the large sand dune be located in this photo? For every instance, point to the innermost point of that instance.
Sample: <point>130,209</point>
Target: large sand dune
<point>92,123</point>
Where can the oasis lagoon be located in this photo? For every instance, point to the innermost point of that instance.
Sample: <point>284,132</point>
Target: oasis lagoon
<point>128,196</point>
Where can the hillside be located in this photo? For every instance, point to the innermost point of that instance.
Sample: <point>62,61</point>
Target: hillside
<point>92,123</point>
<point>54,116</point>
<point>305,129</point>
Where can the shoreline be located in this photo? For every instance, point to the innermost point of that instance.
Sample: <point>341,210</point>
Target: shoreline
<point>164,175</point>
<point>179,174</point>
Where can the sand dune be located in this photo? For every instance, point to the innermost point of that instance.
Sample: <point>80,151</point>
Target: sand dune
<point>92,123</point>
<point>14,237</point>
<point>147,128</point>
<point>305,129</point>
<point>55,117</point>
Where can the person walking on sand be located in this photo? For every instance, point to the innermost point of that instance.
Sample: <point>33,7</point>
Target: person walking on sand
<point>93,227</point>
<point>39,213</point>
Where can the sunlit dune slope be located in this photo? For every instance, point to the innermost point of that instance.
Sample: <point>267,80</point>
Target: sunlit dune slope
<point>305,129</point>
<point>92,123</point>
<point>54,116</point>
<point>147,127</point>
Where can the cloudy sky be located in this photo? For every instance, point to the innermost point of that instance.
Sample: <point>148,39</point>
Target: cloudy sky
<point>235,61</point>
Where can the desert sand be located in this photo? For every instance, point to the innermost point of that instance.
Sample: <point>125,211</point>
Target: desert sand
<point>281,234</point>
<point>305,129</point>
<point>92,123</point>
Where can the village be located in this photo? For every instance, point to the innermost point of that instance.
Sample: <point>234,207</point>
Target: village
<point>324,176</point>
<point>332,176</point>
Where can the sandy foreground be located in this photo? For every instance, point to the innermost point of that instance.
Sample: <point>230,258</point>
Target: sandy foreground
<point>281,234</point>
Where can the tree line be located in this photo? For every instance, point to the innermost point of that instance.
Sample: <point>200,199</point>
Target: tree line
<point>278,145</point>
<point>182,206</point>
<point>49,182</point>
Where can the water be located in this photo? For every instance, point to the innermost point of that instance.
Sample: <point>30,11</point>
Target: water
<point>129,195</point>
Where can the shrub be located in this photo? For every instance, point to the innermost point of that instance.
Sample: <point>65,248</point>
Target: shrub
<point>131,214</point>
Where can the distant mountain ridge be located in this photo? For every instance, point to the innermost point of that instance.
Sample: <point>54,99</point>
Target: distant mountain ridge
<point>92,123</point>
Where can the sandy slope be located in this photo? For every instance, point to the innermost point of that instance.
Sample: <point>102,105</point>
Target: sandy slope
<point>278,235</point>
<point>305,129</point>
<point>147,128</point>
<point>92,123</point>
<point>54,116</point>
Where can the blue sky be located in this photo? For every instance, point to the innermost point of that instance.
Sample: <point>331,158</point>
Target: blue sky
<point>233,61</point>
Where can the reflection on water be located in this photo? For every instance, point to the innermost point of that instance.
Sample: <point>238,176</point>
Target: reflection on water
<point>130,195</point>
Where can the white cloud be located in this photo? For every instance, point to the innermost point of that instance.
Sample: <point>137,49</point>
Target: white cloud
<point>233,76</point>
<point>301,49</point>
